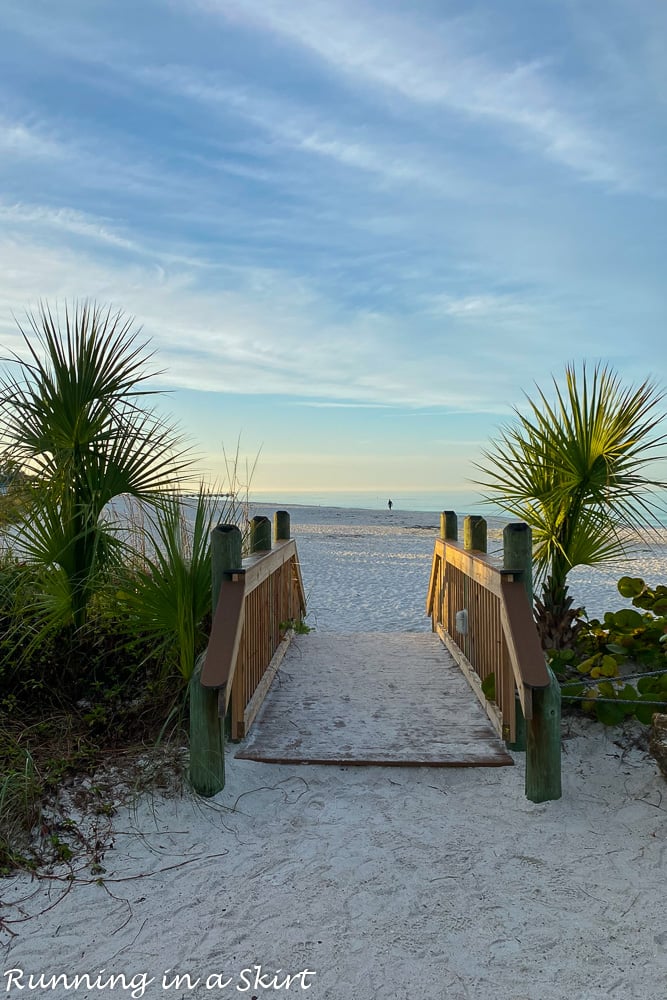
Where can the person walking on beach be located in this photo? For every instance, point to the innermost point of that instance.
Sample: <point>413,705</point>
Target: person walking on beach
<point>389,504</point>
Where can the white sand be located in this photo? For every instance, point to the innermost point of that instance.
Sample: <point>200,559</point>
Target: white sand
<point>387,883</point>
<point>369,569</point>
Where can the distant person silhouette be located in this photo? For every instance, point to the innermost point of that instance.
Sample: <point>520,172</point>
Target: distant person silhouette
<point>389,504</point>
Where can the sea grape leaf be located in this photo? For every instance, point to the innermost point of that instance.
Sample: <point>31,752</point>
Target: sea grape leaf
<point>627,618</point>
<point>630,586</point>
<point>609,714</point>
<point>609,667</point>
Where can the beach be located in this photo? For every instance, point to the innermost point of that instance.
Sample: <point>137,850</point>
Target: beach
<point>367,569</point>
<point>356,883</point>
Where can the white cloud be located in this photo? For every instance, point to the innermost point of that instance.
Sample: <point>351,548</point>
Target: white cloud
<point>270,335</point>
<point>28,142</point>
<point>63,221</point>
<point>484,305</point>
<point>436,65</point>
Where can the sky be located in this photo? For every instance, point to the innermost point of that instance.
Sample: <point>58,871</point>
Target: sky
<point>356,232</point>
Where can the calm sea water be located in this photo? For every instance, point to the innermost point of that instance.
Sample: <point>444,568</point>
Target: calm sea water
<point>464,501</point>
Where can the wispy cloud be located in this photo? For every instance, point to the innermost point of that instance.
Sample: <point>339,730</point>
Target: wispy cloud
<point>355,209</point>
<point>442,67</point>
<point>65,222</point>
<point>481,306</point>
<point>299,126</point>
<point>28,142</point>
<point>217,342</point>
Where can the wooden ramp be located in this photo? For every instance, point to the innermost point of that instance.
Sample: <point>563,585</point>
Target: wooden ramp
<point>393,698</point>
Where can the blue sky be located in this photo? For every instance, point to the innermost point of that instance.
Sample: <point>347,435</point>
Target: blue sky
<point>354,231</point>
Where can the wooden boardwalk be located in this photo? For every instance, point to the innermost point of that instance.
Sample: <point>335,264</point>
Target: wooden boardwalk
<point>372,698</point>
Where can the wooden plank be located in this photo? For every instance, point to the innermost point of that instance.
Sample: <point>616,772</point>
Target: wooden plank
<point>430,594</point>
<point>262,689</point>
<point>298,579</point>
<point>476,565</point>
<point>221,655</point>
<point>492,710</point>
<point>261,566</point>
<point>369,698</point>
<point>521,625</point>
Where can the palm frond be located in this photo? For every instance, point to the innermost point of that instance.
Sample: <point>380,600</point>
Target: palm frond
<point>577,469</point>
<point>170,597</point>
<point>73,417</point>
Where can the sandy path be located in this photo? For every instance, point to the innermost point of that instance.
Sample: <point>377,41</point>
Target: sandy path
<point>387,883</point>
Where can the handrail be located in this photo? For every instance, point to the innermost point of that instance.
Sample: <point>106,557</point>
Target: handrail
<point>495,641</point>
<point>247,632</point>
<point>254,599</point>
<point>260,565</point>
<point>501,630</point>
<point>226,630</point>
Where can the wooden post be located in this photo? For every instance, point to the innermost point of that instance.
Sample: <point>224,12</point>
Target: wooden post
<point>543,781</point>
<point>518,555</point>
<point>541,736</point>
<point>207,749</point>
<point>281,526</point>
<point>226,556</point>
<point>449,526</point>
<point>207,741</point>
<point>260,534</point>
<point>474,533</point>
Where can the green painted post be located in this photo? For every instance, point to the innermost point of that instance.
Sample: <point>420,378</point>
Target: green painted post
<point>207,741</point>
<point>543,767</point>
<point>260,534</point>
<point>226,556</point>
<point>518,555</point>
<point>474,533</point>
<point>281,526</point>
<point>541,736</point>
<point>207,747</point>
<point>449,526</point>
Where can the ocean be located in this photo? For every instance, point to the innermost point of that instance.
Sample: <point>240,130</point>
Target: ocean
<point>407,500</point>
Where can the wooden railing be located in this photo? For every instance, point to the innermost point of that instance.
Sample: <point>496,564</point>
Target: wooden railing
<point>269,597</point>
<point>482,611</point>
<point>256,598</point>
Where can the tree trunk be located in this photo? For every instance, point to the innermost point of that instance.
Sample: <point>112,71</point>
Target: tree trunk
<point>557,621</point>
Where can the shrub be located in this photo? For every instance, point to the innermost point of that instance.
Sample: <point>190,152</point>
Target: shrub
<point>625,646</point>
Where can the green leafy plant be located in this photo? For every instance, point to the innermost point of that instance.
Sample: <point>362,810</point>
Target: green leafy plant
<point>169,598</point>
<point>577,471</point>
<point>620,666</point>
<point>296,625</point>
<point>75,420</point>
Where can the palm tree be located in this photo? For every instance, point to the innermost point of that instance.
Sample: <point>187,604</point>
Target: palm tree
<point>577,471</point>
<point>168,596</point>
<point>75,419</point>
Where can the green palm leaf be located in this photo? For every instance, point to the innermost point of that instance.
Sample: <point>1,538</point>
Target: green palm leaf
<point>74,418</point>
<point>577,470</point>
<point>169,598</point>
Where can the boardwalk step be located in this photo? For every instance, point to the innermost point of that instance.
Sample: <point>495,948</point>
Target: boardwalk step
<point>372,698</point>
